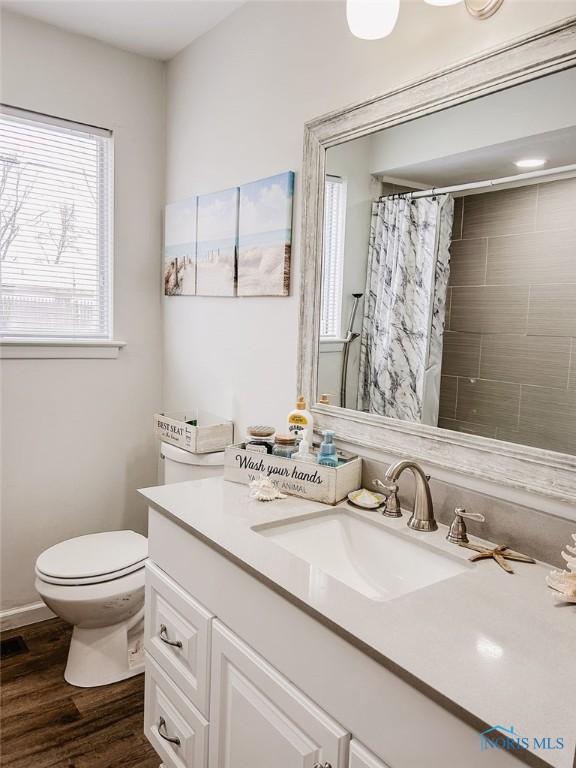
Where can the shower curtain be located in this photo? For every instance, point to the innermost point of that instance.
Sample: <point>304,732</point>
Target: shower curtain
<point>405,301</point>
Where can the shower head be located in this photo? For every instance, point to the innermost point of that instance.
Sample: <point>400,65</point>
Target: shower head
<point>356,297</point>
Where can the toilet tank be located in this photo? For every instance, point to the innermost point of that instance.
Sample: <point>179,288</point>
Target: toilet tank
<point>177,466</point>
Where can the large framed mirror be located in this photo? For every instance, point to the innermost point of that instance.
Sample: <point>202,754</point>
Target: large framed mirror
<point>438,300</point>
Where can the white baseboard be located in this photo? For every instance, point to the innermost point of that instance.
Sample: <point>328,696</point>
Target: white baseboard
<point>24,615</point>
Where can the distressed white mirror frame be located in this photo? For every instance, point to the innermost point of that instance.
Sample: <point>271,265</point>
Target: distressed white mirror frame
<point>531,469</point>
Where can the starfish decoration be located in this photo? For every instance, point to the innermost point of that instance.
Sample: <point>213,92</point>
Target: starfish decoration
<point>500,554</point>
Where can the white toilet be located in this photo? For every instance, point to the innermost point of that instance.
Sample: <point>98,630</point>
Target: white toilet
<point>96,583</point>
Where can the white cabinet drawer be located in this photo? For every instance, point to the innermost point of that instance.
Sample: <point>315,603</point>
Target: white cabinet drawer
<point>259,719</point>
<point>176,730</point>
<point>360,757</point>
<point>177,635</point>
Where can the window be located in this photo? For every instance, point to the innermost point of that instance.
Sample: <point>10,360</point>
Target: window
<point>55,229</point>
<point>333,262</point>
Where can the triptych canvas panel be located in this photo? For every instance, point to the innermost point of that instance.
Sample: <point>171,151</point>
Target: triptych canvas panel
<point>265,236</point>
<point>217,242</point>
<point>236,242</point>
<point>180,248</point>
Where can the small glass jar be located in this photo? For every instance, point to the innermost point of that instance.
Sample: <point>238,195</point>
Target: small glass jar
<point>259,439</point>
<point>284,446</point>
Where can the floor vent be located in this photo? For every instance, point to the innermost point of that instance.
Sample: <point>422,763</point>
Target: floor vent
<point>13,646</point>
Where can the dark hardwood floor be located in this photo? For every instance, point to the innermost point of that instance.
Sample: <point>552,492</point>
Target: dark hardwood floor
<point>46,723</point>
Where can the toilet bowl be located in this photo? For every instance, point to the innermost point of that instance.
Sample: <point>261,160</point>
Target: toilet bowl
<point>96,583</point>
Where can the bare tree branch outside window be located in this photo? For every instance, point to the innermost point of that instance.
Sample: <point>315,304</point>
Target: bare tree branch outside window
<point>55,240</point>
<point>13,195</point>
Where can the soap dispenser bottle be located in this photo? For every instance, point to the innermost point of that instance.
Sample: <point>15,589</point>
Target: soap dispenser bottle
<point>327,455</point>
<point>300,419</point>
<point>303,453</point>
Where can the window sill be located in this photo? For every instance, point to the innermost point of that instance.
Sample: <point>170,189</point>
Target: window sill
<point>328,344</point>
<point>39,349</point>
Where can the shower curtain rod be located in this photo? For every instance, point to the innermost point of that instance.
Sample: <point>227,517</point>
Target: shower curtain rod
<point>480,184</point>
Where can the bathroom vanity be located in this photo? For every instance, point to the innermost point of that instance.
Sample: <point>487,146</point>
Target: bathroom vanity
<point>292,633</point>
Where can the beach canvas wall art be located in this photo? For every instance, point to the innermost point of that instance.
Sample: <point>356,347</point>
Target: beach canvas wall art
<point>217,242</point>
<point>180,248</point>
<point>265,236</point>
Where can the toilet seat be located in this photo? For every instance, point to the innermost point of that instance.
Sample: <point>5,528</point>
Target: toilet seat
<point>77,582</point>
<point>93,559</point>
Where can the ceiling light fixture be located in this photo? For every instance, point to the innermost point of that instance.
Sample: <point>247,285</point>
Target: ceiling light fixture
<point>375,19</point>
<point>530,162</point>
<point>372,19</point>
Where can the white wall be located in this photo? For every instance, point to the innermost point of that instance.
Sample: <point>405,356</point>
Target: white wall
<point>77,434</point>
<point>237,101</point>
<point>526,110</point>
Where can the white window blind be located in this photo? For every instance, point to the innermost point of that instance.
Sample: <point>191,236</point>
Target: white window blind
<point>333,261</point>
<point>55,228</point>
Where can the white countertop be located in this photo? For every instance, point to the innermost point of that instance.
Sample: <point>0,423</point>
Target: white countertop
<point>498,646</point>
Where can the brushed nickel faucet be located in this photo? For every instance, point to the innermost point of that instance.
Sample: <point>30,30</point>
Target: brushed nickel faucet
<point>423,515</point>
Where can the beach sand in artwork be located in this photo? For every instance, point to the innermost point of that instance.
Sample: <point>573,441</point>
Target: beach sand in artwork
<point>215,272</point>
<point>264,270</point>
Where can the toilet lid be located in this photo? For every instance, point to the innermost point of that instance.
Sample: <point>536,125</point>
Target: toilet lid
<point>93,556</point>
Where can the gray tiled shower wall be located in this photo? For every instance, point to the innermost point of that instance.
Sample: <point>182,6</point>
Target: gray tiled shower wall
<point>509,365</point>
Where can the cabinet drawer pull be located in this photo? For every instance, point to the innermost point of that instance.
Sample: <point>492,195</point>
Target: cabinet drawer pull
<point>171,739</point>
<point>164,637</point>
<point>322,765</point>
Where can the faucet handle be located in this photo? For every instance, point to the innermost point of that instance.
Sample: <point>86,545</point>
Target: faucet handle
<point>457,532</point>
<point>390,490</point>
<point>477,516</point>
<point>384,487</point>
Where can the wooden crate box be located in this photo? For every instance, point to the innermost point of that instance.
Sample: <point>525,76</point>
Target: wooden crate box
<point>297,478</point>
<point>209,434</point>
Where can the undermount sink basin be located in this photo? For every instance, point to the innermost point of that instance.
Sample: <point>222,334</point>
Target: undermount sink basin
<point>368,557</point>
